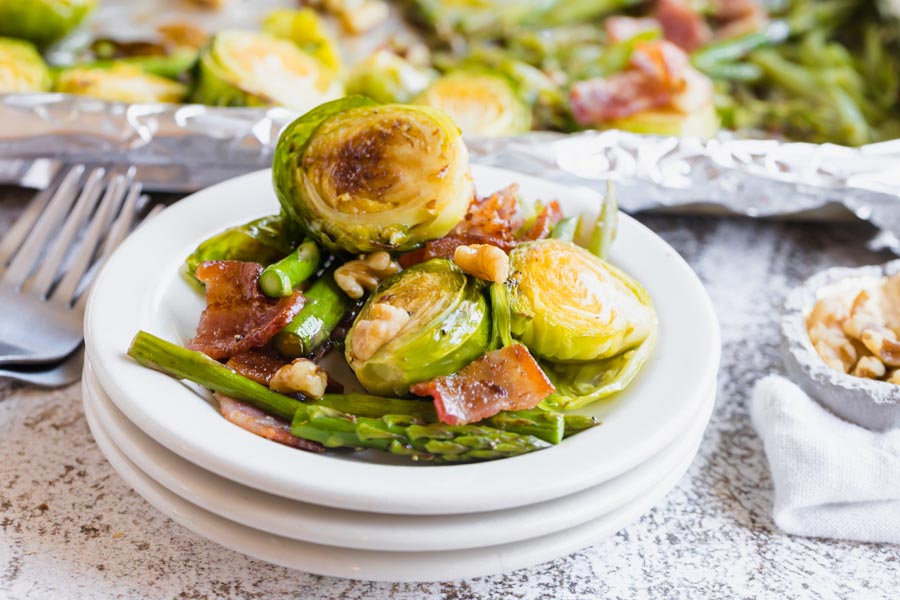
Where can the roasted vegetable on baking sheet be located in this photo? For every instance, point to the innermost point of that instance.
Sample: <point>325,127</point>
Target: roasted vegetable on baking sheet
<point>357,176</point>
<point>386,77</point>
<point>42,21</point>
<point>481,104</point>
<point>21,68</point>
<point>119,82</point>
<point>247,68</point>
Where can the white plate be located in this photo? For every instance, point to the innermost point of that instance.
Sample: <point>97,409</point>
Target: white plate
<point>141,288</point>
<point>373,531</point>
<point>373,565</point>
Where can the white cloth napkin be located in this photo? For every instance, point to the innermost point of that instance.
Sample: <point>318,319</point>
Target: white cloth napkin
<point>832,478</point>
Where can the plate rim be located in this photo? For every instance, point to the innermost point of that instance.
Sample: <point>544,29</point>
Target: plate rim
<point>364,535</point>
<point>380,494</point>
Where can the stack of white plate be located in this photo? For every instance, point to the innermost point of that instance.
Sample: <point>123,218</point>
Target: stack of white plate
<point>370,515</point>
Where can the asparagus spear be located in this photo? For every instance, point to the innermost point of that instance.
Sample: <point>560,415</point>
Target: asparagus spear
<point>279,279</point>
<point>607,224</point>
<point>565,229</point>
<point>182,363</point>
<point>363,421</point>
<point>325,306</point>
<point>402,434</point>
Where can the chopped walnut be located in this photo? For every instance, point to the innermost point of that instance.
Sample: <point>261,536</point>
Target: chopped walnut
<point>882,343</point>
<point>381,325</point>
<point>214,4</point>
<point>358,16</point>
<point>827,336</point>
<point>303,376</point>
<point>894,377</point>
<point>483,261</point>
<point>869,367</point>
<point>356,277</point>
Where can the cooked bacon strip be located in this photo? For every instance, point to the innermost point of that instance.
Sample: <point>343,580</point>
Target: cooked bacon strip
<point>256,421</point>
<point>550,215</point>
<point>258,364</point>
<point>620,29</point>
<point>490,220</point>
<point>505,379</point>
<point>737,17</point>
<point>238,316</point>
<point>682,24</point>
<point>656,73</point>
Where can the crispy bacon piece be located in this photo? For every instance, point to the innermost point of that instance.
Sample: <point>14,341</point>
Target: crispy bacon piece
<point>682,24</point>
<point>620,29</point>
<point>258,364</point>
<point>505,379</point>
<point>737,17</point>
<point>550,215</point>
<point>256,421</point>
<point>238,316</point>
<point>656,73</point>
<point>490,220</point>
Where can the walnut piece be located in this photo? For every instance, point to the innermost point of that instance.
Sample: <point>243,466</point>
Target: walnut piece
<point>869,367</point>
<point>894,377</point>
<point>355,277</point>
<point>382,324</point>
<point>303,376</point>
<point>358,16</point>
<point>828,337</point>
<point>483,261</point>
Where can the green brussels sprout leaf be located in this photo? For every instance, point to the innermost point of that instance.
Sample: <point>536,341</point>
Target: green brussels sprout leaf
<point>386,77</point>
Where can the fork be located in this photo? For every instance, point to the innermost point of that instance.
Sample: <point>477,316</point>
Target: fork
<point>50,255</point>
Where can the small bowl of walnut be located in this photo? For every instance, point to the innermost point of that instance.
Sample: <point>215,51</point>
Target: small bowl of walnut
<point>841,342</point>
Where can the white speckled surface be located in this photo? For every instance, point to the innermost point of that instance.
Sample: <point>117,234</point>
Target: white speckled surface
<point>70,528</point>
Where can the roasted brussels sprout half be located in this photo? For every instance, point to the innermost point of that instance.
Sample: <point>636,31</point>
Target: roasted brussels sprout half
<point>21,68</point>
<point>570,306</point>
<point>305,28</point>
<point>386,77</point>
<point>481,104</point>
<point>360,177</point>
<point>42,21</point>
<point>119,83</point>
<point>427,321</point>
<point>245,68</point>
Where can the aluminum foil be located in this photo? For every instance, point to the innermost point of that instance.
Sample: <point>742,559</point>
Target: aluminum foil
<point>181,148</point>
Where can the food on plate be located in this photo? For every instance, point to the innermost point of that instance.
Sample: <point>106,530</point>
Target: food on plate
<point>471,339</point>
<point>249,68</point>
<point>854,328</point>
<point>21,68</point>
<point>119,82</point>
<point>480,103</point>
<point>42,21</point>
<point>360,177</point>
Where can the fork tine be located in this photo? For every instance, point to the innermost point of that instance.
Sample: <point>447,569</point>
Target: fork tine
<point>57,209</point>
<point>117,232</point>
<point>47,269</point>
<point>112,200</point>
<point>13,238</point>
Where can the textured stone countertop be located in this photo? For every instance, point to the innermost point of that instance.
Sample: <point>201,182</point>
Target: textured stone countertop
<point>70,528</point>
